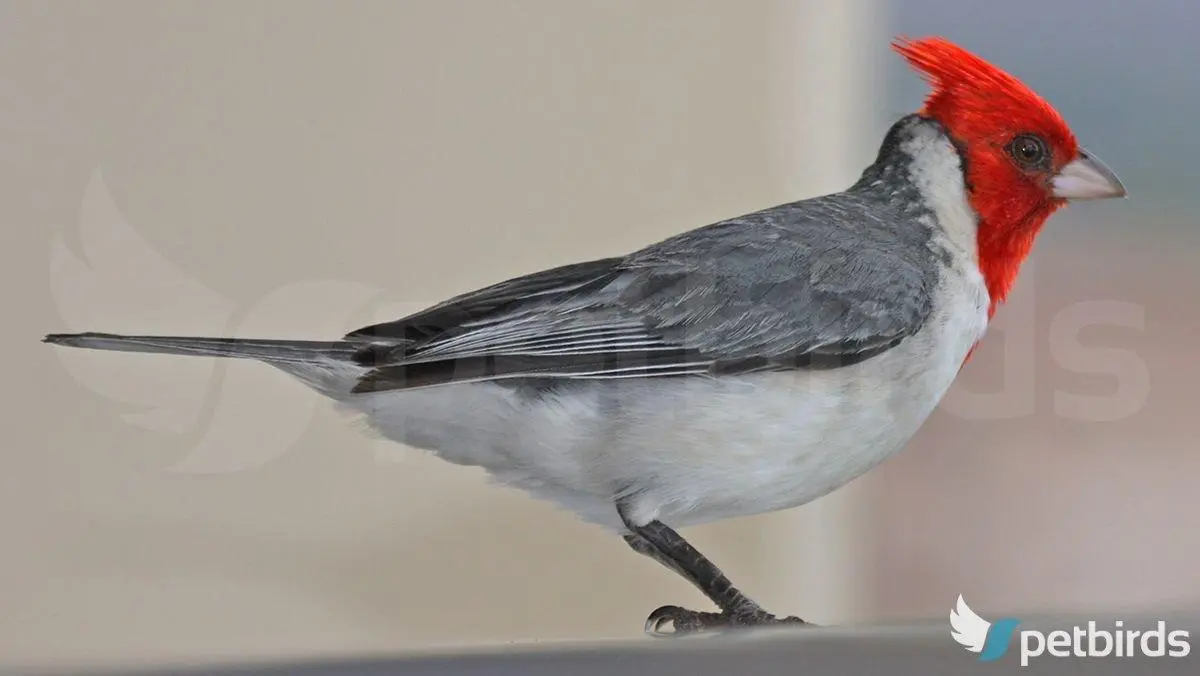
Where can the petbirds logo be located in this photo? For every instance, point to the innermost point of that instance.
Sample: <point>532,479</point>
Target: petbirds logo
<point>992,639</point>
<point>978,635</point>
<point>204,408</point>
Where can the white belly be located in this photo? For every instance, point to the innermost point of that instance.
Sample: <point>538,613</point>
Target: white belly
<point>692,450</point>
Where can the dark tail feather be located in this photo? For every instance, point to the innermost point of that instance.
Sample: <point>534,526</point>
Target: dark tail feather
<point>275,351</point>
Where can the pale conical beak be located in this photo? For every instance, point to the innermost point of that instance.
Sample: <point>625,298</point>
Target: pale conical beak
<point>1086,178</point>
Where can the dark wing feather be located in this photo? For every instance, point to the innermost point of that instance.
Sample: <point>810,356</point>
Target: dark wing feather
<point>474,305</point>
<point>815,284</point>
<point>799,286</point>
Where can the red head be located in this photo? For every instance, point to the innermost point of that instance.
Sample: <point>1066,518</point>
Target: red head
<point>1022,161</point>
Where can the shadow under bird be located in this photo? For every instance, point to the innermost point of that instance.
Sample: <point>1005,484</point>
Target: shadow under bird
<point>743,367</point>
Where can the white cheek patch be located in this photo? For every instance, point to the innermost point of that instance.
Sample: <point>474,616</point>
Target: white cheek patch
<point>937,171</point>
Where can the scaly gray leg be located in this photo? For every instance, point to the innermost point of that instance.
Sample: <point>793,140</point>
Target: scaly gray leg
<point>661,543</point>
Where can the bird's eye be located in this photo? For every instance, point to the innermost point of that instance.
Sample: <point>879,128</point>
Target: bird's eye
<point>1029,151</point>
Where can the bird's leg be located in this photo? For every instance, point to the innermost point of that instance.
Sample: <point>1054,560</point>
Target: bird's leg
<point>661,543</point>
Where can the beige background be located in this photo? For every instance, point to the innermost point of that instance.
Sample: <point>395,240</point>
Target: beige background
<point>301,168</point>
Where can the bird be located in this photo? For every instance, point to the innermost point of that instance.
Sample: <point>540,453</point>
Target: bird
<point>746,366</point>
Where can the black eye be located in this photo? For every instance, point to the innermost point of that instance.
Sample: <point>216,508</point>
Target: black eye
<point>1029,151</point>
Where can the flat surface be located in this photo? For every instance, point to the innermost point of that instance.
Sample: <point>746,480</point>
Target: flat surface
<point>924,648</point>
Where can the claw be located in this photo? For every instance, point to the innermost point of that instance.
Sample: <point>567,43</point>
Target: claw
<point>683,621</point>
<point>656,621</point>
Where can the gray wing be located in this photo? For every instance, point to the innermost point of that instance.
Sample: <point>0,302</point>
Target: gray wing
<point>815,284</point>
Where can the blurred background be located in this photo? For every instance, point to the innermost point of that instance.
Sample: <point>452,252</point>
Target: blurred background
<point>303,168</point>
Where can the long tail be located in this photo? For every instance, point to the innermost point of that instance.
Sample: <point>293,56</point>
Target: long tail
<point>272,351</point>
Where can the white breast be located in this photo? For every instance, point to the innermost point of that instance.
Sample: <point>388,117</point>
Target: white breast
<point>713,449</point>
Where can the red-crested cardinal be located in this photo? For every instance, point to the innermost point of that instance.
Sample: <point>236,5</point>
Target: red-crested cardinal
<point>748,366</point>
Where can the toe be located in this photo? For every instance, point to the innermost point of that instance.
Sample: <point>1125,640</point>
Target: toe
<point>661,622</point>
<point>792,620</point>
<point>670,621</point>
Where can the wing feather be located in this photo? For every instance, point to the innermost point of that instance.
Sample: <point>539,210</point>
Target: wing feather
<point>783,288</point>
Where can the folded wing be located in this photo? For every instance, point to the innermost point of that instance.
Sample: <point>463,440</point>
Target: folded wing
<point>784,288</point>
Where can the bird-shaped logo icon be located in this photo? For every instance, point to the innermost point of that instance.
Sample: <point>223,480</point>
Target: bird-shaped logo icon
<point>977,634</point>
<point>106,268</point>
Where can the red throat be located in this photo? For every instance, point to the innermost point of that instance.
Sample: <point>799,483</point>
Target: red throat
<point>983,108</point>
<point>1004,242</point>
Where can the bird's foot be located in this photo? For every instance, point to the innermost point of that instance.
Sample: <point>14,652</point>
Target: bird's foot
<point>670,621</point>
